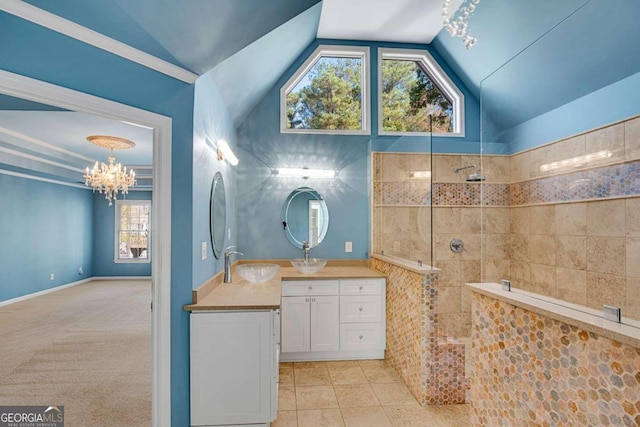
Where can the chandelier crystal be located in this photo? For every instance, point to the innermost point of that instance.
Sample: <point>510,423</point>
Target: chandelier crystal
<point>457,21</point>
<point>112,178</point>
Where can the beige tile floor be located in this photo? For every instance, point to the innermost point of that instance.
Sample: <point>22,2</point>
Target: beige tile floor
<point>365,393</point>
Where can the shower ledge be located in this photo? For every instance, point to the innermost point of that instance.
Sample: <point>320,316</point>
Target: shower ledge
<point>589,319</point>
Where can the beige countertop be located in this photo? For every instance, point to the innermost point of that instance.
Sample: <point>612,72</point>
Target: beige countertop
<point>244,295</point>
<point>586,318</point>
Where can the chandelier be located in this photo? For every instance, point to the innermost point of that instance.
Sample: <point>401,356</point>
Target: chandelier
<point>457,21</point>
<point>110,179</point>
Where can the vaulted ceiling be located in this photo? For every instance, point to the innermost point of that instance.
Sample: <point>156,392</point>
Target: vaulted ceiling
<point>561,49</point>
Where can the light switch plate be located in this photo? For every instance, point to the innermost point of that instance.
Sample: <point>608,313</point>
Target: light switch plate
<point>348,246</point>
<point>203,250</point>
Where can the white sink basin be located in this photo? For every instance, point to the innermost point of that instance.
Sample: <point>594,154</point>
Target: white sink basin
<point>308,267</point>
<point>257,273</point>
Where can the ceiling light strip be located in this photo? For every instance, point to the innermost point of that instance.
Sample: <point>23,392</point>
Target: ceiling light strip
<point>68,28</point>
<point>36,141</point>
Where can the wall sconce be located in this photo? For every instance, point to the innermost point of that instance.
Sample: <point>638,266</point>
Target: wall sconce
<point>575,162</point>
<point>225,153</point>
<point>305,173</point>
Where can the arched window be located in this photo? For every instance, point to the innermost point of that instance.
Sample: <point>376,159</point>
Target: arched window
<point>329,93</point>
<point>415,95</point>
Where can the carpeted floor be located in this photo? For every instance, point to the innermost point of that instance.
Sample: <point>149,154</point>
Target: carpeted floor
<point>87,347</point>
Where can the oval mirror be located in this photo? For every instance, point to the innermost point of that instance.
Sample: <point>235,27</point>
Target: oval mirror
<point>217,215</point>
<point>305,217</point>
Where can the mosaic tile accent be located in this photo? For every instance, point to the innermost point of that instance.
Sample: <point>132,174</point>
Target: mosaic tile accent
<point>444,194</point>
<point>431,364</point>
<point>608,181</point>
<point>532,370</point>
<point>605,182</point>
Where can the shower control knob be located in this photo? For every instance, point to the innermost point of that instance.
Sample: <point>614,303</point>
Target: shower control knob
<point>456,245</point>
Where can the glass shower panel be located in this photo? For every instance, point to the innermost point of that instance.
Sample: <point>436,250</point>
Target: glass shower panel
<point>401,202</point>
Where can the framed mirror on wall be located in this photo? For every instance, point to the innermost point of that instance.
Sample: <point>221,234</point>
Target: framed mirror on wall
<point>305,217</point>
<point>217,214</point>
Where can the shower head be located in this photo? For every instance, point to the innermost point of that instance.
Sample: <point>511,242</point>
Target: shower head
<point>475,176</point>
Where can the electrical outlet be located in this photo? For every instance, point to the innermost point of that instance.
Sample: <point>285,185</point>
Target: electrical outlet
<point>80,271</point>
<point>203,250</point>
<point>348,247</point>
<point>52,276</point>
<point>229,233</point>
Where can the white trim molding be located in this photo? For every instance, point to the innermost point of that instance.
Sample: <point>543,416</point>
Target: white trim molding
<point>61,25</point>
<point>358,52</point>
<point>47,93</point>
<point>43,292</point>
<point>437,75</point>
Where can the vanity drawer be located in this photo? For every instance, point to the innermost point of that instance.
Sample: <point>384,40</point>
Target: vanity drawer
<point>362,287</point>
<point>360,309</point>
<point>361,336</point>
<point>309,287</point>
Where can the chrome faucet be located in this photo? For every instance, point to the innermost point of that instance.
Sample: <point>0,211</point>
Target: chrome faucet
<point>227,262</point>
<point>306,249</point>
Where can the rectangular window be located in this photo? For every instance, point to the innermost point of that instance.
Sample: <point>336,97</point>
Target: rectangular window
<point>132,231</point>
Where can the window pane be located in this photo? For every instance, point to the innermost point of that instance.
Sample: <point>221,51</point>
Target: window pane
<point>133,231</point>
<point>409,97</point>
<point>329,96</point>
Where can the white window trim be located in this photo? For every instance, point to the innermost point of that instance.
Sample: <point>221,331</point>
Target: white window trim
<point>116,240</point>
<point>361,52</point>
<point>437,75</point>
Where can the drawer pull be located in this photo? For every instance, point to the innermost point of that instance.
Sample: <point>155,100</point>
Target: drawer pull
<point>306,300</point>
<point>361,287</point>
<point>313,300</point>
<point>310,288</point>
<point>361,336</point>
<point>360,309</point>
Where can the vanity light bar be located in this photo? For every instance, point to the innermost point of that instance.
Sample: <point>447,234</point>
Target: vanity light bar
<point>305,173</point>
<point>224,152</point>
<point>576,161</point>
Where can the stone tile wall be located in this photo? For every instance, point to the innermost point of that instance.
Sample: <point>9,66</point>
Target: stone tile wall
<point>575,230</point>
<point>403,217</point>
<point>571,233</point>
<point>532,370</point>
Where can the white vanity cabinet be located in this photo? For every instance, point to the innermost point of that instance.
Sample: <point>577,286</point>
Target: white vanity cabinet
<point>333,319</point>
<point>234,367</point>
<point>310,311</point>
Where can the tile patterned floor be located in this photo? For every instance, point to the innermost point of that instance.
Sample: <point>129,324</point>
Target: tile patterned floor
<point>364,393</point>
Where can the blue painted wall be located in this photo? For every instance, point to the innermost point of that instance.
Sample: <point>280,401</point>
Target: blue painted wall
<point>47,232</point>
<point>103,232</point>
<point>579,116</point>
<point>211,122</point>
<point>36,52</point>
<point>262,148</point>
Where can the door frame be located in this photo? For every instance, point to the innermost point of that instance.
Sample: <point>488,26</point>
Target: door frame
<point>47,93</point>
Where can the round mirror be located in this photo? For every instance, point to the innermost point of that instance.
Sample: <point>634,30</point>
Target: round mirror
<point>217,215</point>
<point>305,217</point>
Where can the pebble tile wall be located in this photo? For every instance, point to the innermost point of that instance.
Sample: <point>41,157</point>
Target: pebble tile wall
<point>431,364</point>
<point>530,370</point>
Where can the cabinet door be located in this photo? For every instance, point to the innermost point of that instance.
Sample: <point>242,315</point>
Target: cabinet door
<point>296,321</point>
<point>325,324</point>
<point>231,367</point>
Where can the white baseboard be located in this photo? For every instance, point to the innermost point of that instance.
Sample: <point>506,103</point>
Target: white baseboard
<point>69,285</point>
<point>44,292</point>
